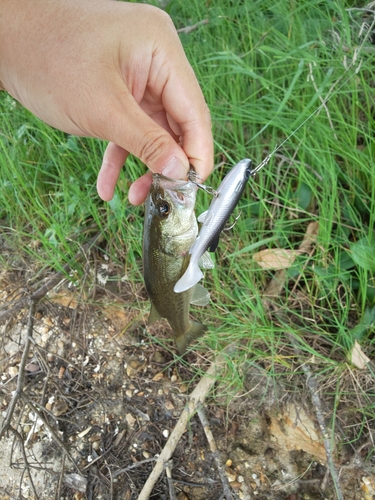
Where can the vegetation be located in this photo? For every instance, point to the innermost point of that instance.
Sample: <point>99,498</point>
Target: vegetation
<point>265,67</point>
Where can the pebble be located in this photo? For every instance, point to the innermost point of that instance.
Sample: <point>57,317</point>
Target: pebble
<point>59,408</point>
<point>129,393</point>
<point>45,337</point>
<point>174,379</point>
<point>159,357</point>
<point>13,371</point>
<point>231,475</point>
<point>48,321</point>
<point>146,454</point>
<point>96,445</point>
<point>130,419</point>
<point>165,433</point>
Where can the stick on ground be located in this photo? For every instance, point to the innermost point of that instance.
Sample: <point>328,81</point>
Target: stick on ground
<point>196,399</point>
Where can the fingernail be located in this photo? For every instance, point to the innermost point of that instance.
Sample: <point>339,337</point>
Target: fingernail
<point>175,169</point>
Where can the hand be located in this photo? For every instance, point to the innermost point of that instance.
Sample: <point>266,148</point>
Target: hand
<point>112,70</point>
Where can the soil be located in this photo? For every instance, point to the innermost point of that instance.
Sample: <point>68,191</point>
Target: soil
<point>101,392</point>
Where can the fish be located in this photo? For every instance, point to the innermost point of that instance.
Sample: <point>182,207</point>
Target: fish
<point>170,229</point>
<point>214,220</point>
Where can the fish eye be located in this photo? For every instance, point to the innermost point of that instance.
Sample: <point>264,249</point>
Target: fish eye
<point>164,209</point>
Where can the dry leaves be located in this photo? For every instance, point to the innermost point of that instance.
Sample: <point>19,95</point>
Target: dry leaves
<point>294,429</point>
<point>277,259</point>
<point>357,357</point>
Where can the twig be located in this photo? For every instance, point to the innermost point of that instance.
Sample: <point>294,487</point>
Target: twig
<point>275,287</point>
<point>21,372</point>
<point>189,29</point>
<point>313,388</point>
<point>171,488</point>
<point>196,399</point>
<point>51,283</point>
<point>211,441</point>
<point>50,429</point>
<point>26,462</point>
<point>134,466</point>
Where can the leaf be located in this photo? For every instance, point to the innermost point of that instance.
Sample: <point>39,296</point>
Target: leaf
<point>276,258</point>
<point>303,194</point>
<point>357,357</point>
<point>365,323</point>
<point>363,253</point>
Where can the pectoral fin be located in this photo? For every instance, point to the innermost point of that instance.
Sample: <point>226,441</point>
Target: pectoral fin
<point>202,216</point>
<point>200,297</point>
<point>206,262</point>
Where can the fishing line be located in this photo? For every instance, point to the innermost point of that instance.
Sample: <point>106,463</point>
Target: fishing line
<point>327,98</point>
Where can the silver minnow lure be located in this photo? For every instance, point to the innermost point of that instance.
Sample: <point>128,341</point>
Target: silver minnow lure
<point>214,219</point>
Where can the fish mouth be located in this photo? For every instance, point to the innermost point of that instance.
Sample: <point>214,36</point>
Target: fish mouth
<point>171,184</point>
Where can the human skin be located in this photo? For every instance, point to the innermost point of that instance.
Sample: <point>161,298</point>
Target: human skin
<point>111,70</point>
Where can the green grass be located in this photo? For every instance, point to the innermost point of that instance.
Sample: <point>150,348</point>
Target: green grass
<point>264,67</point>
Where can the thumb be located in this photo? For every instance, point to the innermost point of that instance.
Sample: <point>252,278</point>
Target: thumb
<point>147,140</point>
<point>151,143</point>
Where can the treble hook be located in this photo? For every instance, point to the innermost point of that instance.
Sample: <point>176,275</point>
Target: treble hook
<point>234,222</point>
<point>192,176</point>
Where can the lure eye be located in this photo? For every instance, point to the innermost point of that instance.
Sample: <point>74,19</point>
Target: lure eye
<point>164,209</point>
<point>248,172</point>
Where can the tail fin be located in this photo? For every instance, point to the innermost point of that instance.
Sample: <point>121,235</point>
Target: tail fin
<point>196,331</point>
<point>191,276</point>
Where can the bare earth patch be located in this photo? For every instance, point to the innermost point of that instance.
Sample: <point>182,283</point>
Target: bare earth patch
<point>100,400</point>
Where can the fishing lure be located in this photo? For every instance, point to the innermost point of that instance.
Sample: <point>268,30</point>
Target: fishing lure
<point>225,199</point>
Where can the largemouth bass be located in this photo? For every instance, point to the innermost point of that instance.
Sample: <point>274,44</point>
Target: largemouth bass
<point>170,229</point>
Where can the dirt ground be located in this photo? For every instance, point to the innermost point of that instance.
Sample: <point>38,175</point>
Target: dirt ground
<point>100,400</point>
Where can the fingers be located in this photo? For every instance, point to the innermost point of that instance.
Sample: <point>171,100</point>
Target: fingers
<point>139,189</point>
<point>113,160</point>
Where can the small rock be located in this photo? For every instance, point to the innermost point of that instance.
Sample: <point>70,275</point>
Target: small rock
<point>59,408</point>
<point>146,454</point>
<point>96,445</point>
<point>231,475</point>
<point>32,367</point>
<point>130,419</point>
<point>48,321</point>
<point>158,377</point>
<point>169,405</point>
<point>13,371</point>
<point>94,437</point>
<point>159,357</point>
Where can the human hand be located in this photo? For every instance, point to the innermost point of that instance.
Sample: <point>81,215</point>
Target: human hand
<point>111,70</point>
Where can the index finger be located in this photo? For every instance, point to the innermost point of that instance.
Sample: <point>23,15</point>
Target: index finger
<point>184,102</point>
